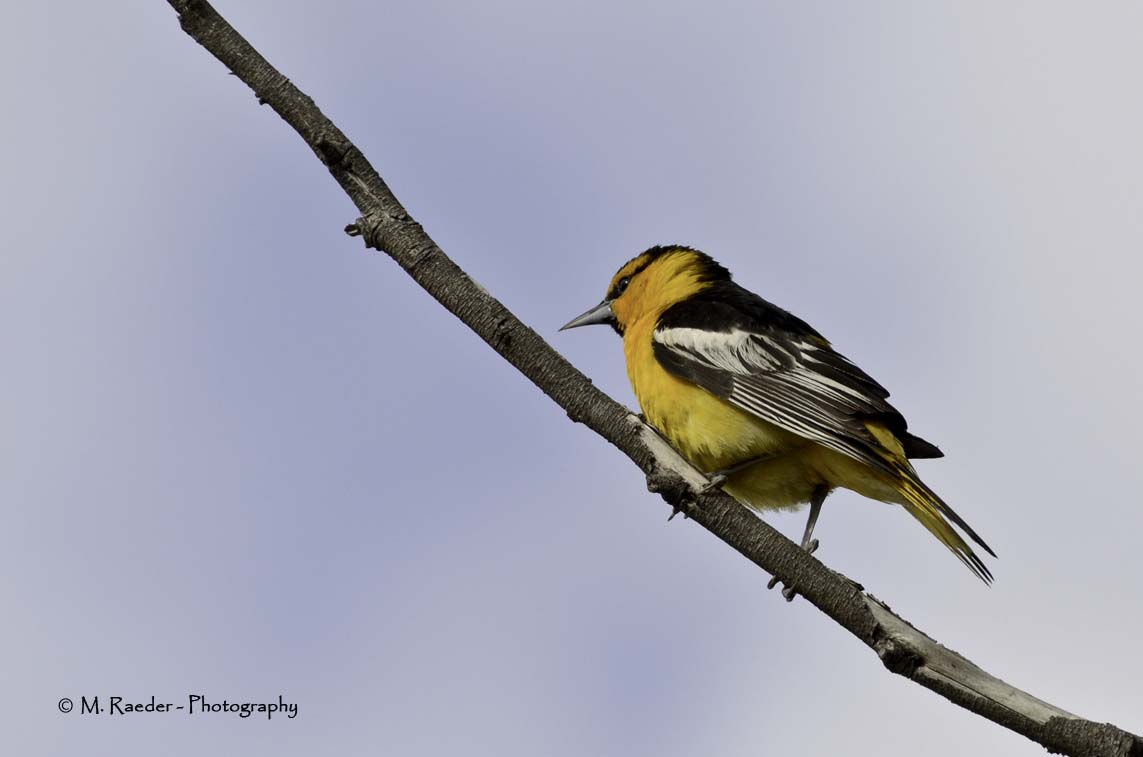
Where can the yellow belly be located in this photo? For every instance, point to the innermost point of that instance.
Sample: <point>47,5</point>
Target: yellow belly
<point>715,436</point>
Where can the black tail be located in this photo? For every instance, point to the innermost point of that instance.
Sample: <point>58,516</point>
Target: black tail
<point>917,448</point>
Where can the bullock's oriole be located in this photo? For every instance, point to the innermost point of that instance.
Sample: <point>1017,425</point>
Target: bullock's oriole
<point>759,400</point>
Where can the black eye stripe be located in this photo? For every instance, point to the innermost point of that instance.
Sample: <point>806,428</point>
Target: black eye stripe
<point>643,265</point>
<point>649,257</point>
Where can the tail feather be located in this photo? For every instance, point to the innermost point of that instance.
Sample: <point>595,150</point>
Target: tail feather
<point>924,505</point>
<point>916,447</point>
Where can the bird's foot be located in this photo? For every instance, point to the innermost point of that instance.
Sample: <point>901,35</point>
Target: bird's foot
<point>716,480</point>
<point>719,477</point>
<point>789,592</point>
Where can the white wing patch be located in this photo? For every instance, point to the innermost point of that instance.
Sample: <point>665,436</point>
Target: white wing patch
<point>735,351</point>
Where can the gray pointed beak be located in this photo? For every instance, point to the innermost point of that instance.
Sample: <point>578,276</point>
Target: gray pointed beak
<point>601,313</point>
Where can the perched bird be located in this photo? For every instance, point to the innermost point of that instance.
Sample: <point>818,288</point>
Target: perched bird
<point>760,401</point>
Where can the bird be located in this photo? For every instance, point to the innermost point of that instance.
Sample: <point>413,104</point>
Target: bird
<point>761,402</point>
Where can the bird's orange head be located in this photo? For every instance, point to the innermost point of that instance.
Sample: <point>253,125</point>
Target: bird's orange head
<point>649,283</point>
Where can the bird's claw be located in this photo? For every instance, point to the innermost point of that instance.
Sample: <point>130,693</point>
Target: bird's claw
<point>715,481</point>
<point>789,592</point>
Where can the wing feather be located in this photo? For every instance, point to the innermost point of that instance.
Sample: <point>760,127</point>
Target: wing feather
<point>801,385</point>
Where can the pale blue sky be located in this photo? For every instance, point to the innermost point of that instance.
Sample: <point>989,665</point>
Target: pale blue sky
<point>242,457</point>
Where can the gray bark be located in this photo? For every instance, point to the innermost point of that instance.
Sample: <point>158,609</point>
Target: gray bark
<point>385,225</point>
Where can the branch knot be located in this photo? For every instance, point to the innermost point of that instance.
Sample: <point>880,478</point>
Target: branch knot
<point>370,228</point>
<point>898,657</point>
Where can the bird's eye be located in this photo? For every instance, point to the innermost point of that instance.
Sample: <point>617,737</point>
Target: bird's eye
<point>621,287</point>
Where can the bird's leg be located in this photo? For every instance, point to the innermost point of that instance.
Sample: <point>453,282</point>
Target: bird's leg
<point>808,543</point>
<point>719,477</point>
<point>816,500</point>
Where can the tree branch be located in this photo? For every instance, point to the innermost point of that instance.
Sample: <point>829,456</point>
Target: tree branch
<point>385,225</point>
